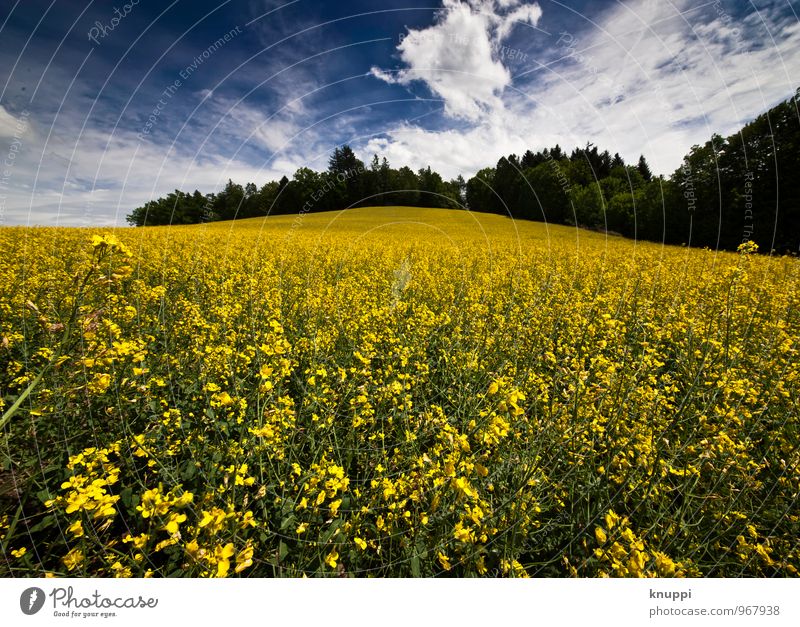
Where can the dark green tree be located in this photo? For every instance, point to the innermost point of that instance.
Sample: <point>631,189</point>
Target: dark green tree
<point>480,191</point>
<point>644,169</point>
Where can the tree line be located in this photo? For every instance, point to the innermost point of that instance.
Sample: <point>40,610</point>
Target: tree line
<point>727,191</point>
<point>346,183</point>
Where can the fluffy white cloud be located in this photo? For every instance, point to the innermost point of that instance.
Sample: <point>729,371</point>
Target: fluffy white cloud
<point>457,56</point>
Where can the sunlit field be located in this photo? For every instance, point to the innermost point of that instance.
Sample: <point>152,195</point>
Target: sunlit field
<point>394,392</point>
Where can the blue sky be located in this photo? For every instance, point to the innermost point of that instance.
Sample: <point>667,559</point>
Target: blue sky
<point>101,111</point>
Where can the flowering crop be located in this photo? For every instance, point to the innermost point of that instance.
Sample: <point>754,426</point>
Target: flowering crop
<point>394,392</point>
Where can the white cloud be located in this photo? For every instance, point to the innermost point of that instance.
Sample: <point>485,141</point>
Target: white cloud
<point>10,125</point>
<point>646,77</point>
<point>527,14</point>
<point>456,57</point>
<point>92,177</point>
<point>246,124</point>
<point>277,134</point>
<point>99,179</point>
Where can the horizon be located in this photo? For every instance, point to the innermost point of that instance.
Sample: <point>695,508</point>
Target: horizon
<point>105,108</point>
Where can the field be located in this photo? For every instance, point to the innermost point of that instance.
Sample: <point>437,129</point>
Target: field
<point>394,392</point>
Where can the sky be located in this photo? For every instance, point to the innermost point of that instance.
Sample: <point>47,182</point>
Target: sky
<point>106,105</point>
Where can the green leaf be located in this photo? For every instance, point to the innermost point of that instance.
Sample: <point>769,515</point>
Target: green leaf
<point>331,530</point>
<point>125,496</point>
<point>415,570</point>
<point>45,523</point>
<point>189,470</point>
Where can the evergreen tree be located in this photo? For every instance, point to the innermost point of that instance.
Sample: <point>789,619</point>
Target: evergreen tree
<point>644,169</point>
<point>344,161</point>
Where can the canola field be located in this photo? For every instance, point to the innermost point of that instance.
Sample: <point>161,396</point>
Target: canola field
<point>394,392</point>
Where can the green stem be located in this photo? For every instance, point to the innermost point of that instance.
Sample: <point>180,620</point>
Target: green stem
<point>13,409</point>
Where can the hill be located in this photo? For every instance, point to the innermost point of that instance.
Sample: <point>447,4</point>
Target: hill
<point>397,225</point>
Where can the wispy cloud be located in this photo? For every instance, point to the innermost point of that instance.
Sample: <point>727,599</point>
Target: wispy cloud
<point>98,179</point>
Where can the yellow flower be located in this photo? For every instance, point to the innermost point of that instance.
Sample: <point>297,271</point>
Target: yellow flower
<point>213,519</point>
<point>76,528</point>
<point>172,524</point>
<point>628,535</point>
<point>120,571</point>
<point>138,541</point>
<point>192,549</point>
<point>611,519</point>
<point>462,485</point>
<point>223,398</point>
<point>420,400</point>
<point>165,543</point>
<point>764,554</point>
<point>462,534</point>
<point>665,566</point>
<point>332,558</point>
<point>184,499</point>
<point>101,242</point>
<point>73,559</point>
<point>223,555</point>
<point>637,561</point>
<point>513,568</point>
<point>99,383</point>
<point>244,559</point>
